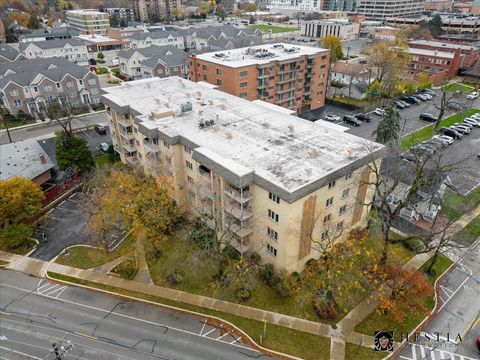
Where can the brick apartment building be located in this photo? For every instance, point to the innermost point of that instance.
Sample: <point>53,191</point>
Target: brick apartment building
<point>291,76</point>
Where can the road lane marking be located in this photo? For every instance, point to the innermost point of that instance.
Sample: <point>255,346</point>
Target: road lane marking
<point>20,353</point>
<point>128,316</point>
<point>85,335</point>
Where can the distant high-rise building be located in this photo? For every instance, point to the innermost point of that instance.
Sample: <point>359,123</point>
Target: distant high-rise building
<point>380,9</point>
<point>153,10</point>
<point>340,5</point>
<point>289,7</point>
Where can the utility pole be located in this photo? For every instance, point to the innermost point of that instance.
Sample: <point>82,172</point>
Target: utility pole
<point>4,118</point>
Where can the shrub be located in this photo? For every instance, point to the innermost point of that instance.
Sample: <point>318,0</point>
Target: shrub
<point>296,276</point>
<point>127,269</point>
<point>15,236</point>
<point>312,265</point>
<point>153,246</point>
<point>231,252</point>
<point>255,258</point>
<point>284,285</point>
<point>267,273</point>
<point>242,294</point>
<point>324,309</point>
<point>92,62</point>
<point>174,278</point>
<point>202,235</point>
<point>411,244</point>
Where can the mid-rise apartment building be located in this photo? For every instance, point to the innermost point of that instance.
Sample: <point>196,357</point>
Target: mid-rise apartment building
<point>343,29</point>
<point>153,10</point>
<point>89,21</point>
<point>263,179</point>
<point>287,75</point>
<point>289,7</point>
<point>381,9</point>
<point>126,14</point>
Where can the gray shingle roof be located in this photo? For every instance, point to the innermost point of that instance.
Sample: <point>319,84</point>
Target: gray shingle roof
<point>24,158</point>
<point>170,55</point>
<point>155,35</point>
<point>52,44</point>
<point>24,72</point>
<point>8,53</point>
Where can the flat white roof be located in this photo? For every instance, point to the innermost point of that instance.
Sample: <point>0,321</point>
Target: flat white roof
<point>86,12</point>
<point>284,150</point>
<point>443,54</point>
<point>442,44</point>
<point>94,38</point>
<point>251,55</point>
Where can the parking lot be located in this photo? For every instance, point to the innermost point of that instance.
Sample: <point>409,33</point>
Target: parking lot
<point>64,225</point>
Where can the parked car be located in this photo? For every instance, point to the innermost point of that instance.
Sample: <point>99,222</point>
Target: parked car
<point>412,100</point>
<point>430,92</point>
<point>470,126</point>
<point>428,96</point>
<point>379,111</point>
<point>363,117</point>
<point>103,147</point>
<point>407,105</point>
<point>408,157</point>
<point>435,143</point>
<point>428,117</point>
<point>100,129</point>
<point>333,118</point>
<point>350,120</point>
<point>462,130</point>
<point>455,106</point>
<point>475,116</point>
<point>399,105</point>
<point>423,149</point>
<point>451,133</point>
<point>472,122</point>
<point>419,97</point>
<point>446,139</point>
<point>472,96</point>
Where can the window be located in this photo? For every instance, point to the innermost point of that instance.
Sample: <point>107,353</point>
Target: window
<point>329,202</point>
<point>14,92</point>
<point>323,66</point>
<point>26,89</point>
<point>272,233</point>
<point>243,95</point>
<point>17,103</point>
<point>243,73</point>
<point>204,77</point>
<point>189,165</point>
<point>324,57</point>
<point>69,84</point>
<point>35,88</point>
<point>94,91</point>
<point>80,82</point>
<point>327,218</point>
<point>271,250</point>
<point>219,82</point>
<point>331,184</point>
<point>58,85</point>
<point>243,84</point>
<point>187,149</point>
<point>274,197</point>
<point>219,71</point>
<point>49,98</point>
<point>204,67</point>
<point>190,179</point>
<point>92,81</point>
<point>342,209</point>
<point>324,234</point>
<point>48,88</point>
<point>272,215</point>
<point>340,225</point>
<point>167,145</point>
<point>348,176</point>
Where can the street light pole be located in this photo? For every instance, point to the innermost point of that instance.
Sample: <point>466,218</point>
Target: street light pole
<point>2,114</point>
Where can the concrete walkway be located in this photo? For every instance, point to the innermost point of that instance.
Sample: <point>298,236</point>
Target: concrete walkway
<point>106,268</point>
<point>143,272</point>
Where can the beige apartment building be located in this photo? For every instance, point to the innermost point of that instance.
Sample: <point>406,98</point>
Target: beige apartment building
<point>264,180</point>
<point>291,76</point>
<point>89,21</point>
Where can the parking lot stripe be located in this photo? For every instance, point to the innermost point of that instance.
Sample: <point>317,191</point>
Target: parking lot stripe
<point>203,327</point>
<point>209,332</point>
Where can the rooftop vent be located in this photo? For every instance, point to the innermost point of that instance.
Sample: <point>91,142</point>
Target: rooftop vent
<point>186,106</point>
<point>229,135</point>
<point>219,55</point>
<point>278,46</point>
<point>290,50</point>
<point>313,153</point>
<point>266,124</point>
<point>308,171</point>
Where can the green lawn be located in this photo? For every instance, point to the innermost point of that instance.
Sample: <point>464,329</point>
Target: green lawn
<point>275,29</point>
<point>102,160</point>
<point>357,352</point>
<point>16,123</point>
<point>84,257</point>
<point>101,71</point>
<point>427,132</point>
<point>469,233</point>
<point>379,321</point>
<point>456,205</point>
<point>460,87</point>
<point>304,345</point>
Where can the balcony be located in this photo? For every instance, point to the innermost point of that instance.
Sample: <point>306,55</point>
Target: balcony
<point>242,231</point>
<point>151,146</point>
<point>131,158</point>
<point>286,80</point>
<point>239,196</point>
<point>205,192</point>
<point>124,120</point>
<point>205,175</point>
<point>127,134</point>
<point>263,76</point>
<point>239,245</point>
<point>129,146</point>
<point>240,213</point>
<point>310,65</point>
<point>286,90</point>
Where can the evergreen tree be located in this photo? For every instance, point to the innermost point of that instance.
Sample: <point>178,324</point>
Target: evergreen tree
<point>73,153</point>
<point>388,129</point>
<point>114,23</point>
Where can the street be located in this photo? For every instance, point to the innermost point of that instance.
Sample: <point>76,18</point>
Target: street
<point>459,312</point>
<point>35,313</point>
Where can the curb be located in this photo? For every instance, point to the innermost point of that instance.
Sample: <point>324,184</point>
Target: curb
<point>33,249</point>
<point>45,123</point>
<point>212,320</point>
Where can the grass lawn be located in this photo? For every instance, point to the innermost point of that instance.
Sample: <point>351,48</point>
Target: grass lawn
<point>16,123</point>
<point>460,87</point>
<point>379,321</point>
<point>469,233</point>
<point>275,29</point>
<point>180,255</point>
<point>456,205</point>
<point>115,70</point>
<point>350,101</point>
<point>84,257</point>
<point>101,71</point>
<point>20,250</point>
<point>357,352</point>
<point>102,160</point>
<point>427,132</point>
<point>304,345</point>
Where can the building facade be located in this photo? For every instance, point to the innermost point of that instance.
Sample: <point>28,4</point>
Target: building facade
<point>343,29</point>
<point>153,10</point>
<point>381,9</point>
<point>29,85</point>
<point>466,25</point>
<point>264,180</point>
<point>124,34</point>
<point>158,38</point>
<point>126,14</point>
<point>71,49</point>
<point>290,76</point>
<point>89,21</point>
<point>292,7</point>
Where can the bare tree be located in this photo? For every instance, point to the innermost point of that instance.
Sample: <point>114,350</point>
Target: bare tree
<point>447,99</point>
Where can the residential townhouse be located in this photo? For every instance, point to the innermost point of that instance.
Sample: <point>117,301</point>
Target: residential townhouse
<point>124,34</point>
<point>30,85</point>
<point>73,50</point>
<point>160,61</point>
<point>159,38</point>
<point>62,32</point>
<point>9,54</point>
<point>291,76</point>
<point>265,180</point>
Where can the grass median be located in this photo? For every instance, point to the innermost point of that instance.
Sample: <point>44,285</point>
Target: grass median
<point>427,132</point>
<point>278,338</point>
<point>353,351</point>
<point>273,29</point>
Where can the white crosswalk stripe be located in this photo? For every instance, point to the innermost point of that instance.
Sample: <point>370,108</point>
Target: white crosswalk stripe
<point>50,289</point>
<point>420,352</point>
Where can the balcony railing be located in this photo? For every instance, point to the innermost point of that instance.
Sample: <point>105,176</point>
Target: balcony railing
<point>240,245</point>
<point>241,197</point>
<point>124,120</point>
<point>205,175</point>
<point>149,145</point>
<point>129,146</point>
<point>205,192</point>
<point>238,212</point>
<point>127,134</point>
<point>241,231</point>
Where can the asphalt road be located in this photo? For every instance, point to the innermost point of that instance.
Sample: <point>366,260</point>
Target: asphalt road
<point>48,130</point>
<point>459,312</point>
<point>36,313</point>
